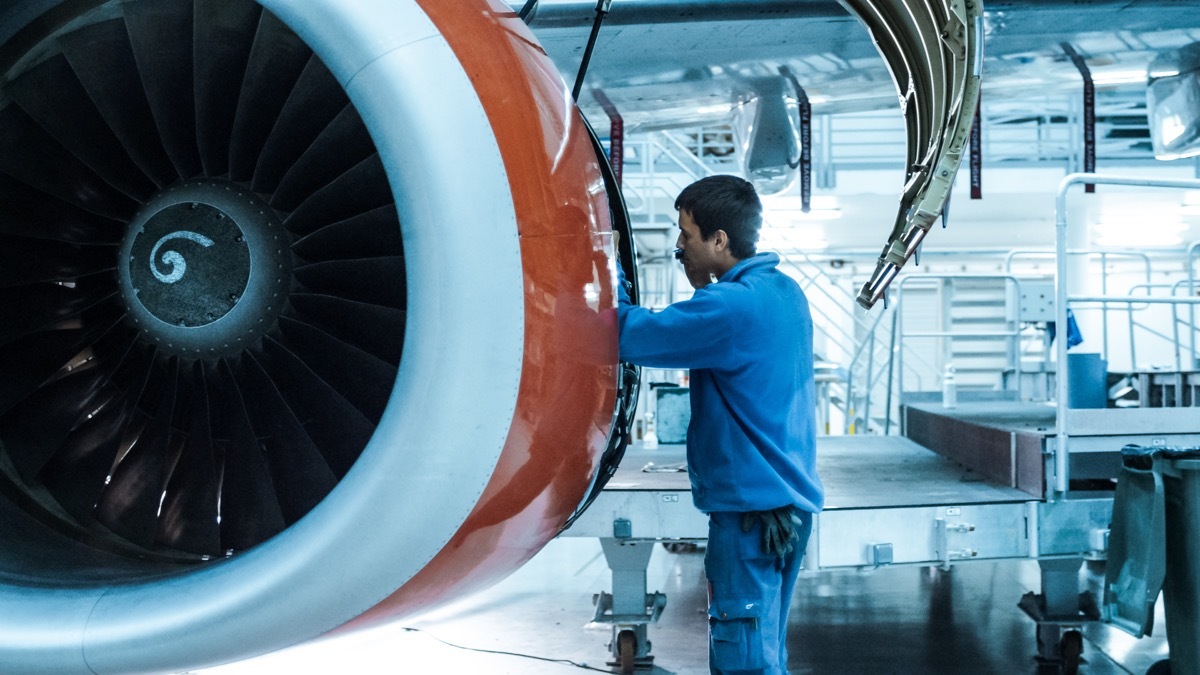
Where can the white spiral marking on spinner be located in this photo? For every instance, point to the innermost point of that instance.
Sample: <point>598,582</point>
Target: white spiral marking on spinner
<point>175,258</point>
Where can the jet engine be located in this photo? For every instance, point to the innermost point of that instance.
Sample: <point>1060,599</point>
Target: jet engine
<point>306,320</point>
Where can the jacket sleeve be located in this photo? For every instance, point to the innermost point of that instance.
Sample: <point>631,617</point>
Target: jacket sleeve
<point>695,333</point>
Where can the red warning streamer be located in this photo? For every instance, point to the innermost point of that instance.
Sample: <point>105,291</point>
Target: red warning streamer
<point>616,135</point>
<point>1089,113</point>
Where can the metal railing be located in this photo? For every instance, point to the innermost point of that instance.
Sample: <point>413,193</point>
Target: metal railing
<point>1193,290</point>
<point>1103,257</point>
<point>863,373</point>
<point>1063,299</point>
<point>1135,306</point>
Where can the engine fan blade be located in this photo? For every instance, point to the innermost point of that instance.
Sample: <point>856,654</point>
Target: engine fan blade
<point>76,474</point>
<point>37,215</point>
<point>51,94</point>
<point>276,63</point>
<point>103,60</point>
<point>361,189</point>
<point>337,427</point>
<point>298,471</point>
<point>340,147</point>
<point>357,376</point>
<point>376,330</point>
<point>36,261</point>
<point>79,471</point>
<point>35,428</point>
<point>314,102</point>
<point>377,281</point>
<point>29,362</point>
<point>38,307</point>
<point>130,503</point>
<point>250,510</point>
<point>161,36</point>
<point>374,233</point>
<point>190,512</point>
<point>224,34</point>
<point>33,157</point>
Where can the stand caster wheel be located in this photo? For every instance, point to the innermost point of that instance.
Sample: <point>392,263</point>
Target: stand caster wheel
<point>626,651</point>
<point>1071,648</point>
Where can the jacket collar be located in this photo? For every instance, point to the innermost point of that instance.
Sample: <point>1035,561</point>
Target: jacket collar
<point>755,263</point>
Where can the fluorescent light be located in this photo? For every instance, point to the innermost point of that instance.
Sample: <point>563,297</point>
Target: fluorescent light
<point>792,219</point>
<point>792,202</point>
<point>1130,235</point>
<point>785,210</point>
<point>1120,76</point>
<point>801,238</point>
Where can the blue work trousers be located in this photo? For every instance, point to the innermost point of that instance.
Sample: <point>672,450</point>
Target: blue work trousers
<point>749,593</point>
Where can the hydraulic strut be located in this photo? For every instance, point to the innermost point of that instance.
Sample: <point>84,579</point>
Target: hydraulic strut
<point>601,12</point>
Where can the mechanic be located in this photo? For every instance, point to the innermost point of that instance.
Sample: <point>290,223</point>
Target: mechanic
<point>746,335</point>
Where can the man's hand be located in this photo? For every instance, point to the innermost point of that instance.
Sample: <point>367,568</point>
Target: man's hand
<point>779,528</point>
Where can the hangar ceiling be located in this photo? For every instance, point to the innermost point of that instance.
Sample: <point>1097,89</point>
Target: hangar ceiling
<point>683,65</point>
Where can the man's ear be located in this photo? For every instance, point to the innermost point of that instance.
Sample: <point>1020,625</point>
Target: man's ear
<point>721,239</point>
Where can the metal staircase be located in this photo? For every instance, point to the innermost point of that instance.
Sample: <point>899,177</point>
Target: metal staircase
<point>978,309</point>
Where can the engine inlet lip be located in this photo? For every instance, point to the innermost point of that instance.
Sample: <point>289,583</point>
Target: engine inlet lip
<point>204,269</point>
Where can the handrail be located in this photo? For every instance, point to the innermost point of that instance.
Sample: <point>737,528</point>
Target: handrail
<point>892,348</point>
<point>1103,254</point>
<point>1061,463</point>
<point>823,289</point>
<point>834,329</point>
<point>1100,253</point>
<point>1193,253</point>
<point>1173,301</point>
<point>1189,289</point>
<point>868,339</point>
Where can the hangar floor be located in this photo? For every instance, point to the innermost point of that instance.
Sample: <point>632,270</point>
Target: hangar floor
<point>904,620</point>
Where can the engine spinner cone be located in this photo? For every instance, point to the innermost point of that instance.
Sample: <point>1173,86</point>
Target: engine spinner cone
<point>205,268</point>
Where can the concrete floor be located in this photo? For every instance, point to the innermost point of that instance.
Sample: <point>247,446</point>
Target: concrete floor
<point>904,620</point>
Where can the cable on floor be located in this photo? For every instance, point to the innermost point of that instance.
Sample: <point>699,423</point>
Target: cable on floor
<point>568,662</point>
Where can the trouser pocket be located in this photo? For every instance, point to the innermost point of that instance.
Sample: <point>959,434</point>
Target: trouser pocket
<point>735,638</point>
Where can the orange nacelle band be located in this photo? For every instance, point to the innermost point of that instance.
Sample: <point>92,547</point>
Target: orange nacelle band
<point>569,378</point>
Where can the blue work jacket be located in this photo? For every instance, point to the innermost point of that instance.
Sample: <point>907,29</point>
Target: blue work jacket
<point>747,339</point>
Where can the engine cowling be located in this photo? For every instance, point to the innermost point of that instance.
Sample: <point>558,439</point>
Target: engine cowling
<point>308,320</point>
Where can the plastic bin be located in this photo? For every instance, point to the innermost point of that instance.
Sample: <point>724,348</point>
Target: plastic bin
<point>1155,545</point>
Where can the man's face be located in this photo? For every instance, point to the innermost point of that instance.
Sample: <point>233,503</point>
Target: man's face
<point>699,256</point>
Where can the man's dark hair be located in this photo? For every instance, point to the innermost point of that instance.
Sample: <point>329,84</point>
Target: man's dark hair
<point>725,203</point>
